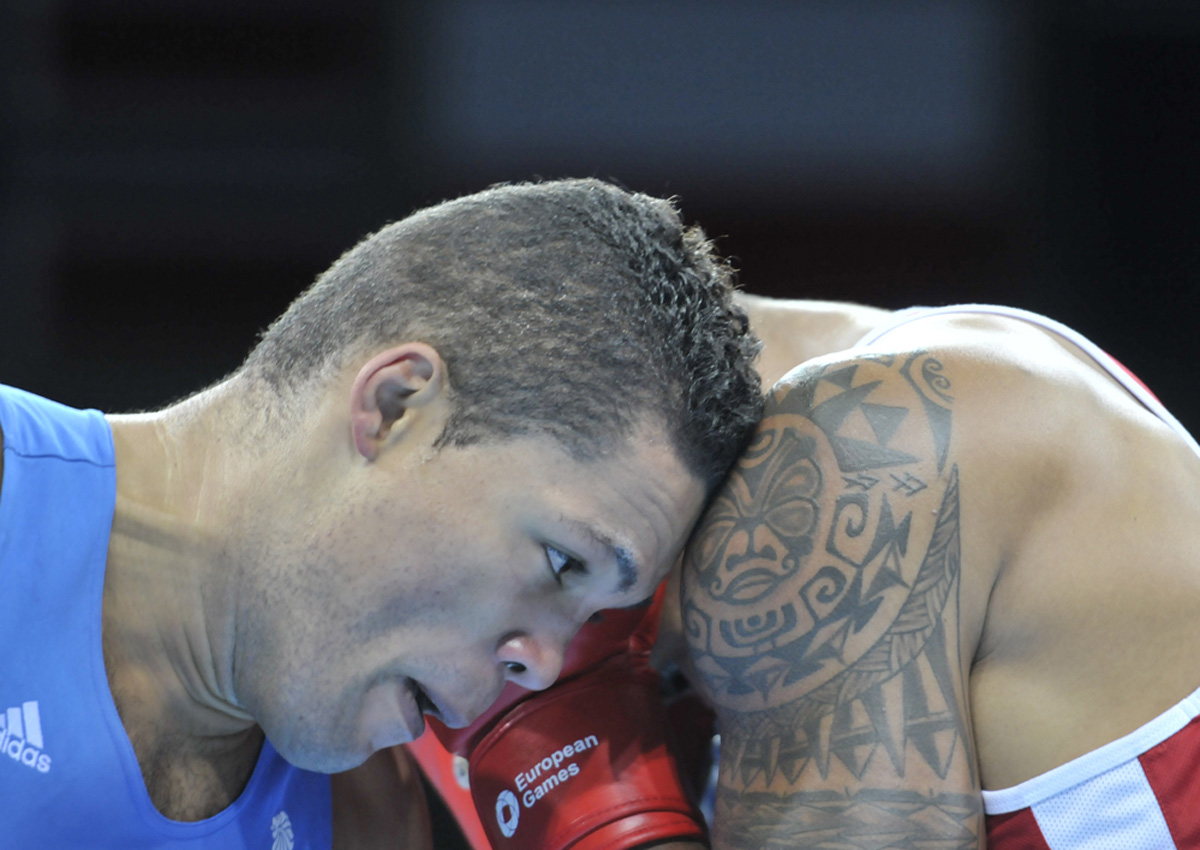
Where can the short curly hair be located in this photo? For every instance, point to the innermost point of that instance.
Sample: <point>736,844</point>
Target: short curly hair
<point>569,308</point>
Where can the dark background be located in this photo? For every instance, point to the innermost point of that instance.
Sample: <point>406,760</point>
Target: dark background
<point>174,172</point>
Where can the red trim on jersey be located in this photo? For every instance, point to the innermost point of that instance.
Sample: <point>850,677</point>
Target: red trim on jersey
<point>1171,769</point>
<point>1133,377</point>
<point>1017,830</point>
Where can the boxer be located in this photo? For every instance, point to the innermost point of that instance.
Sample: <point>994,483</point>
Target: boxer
<point>947,598</point>
<point>481,426</point>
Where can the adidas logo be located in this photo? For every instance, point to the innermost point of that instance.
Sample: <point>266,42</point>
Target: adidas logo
<point>21,737</point>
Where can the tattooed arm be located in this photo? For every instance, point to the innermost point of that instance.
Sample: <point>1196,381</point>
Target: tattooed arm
<point>821,608</point>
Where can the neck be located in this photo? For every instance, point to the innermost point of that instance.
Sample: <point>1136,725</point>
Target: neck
<point>213,497</point>
<point>171,583</point>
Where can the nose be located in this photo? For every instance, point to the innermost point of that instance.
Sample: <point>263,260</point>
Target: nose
<point>533,663</point>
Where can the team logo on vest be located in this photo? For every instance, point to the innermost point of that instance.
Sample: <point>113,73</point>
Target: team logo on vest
<point>538,780</point>
<point>282,837</point>
<point>21,736</point>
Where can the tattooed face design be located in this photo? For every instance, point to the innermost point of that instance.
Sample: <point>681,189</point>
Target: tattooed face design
<point>757,535</point>
<point>819,603</point>
<point>799,570</point>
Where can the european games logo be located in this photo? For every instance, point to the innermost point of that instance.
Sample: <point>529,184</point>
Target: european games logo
<point>552,771</point>
<point>508,812</point>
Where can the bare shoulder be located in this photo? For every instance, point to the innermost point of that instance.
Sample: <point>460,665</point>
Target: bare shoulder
<point>1091,501</point>
<point>795,330</point>
<point>835,595</point>
<point>1030,408</point>
<point>381,804</point>
<point>815,521</point>
<point>829,613</point>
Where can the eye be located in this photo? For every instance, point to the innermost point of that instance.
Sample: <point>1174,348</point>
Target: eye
<point>562,563</point>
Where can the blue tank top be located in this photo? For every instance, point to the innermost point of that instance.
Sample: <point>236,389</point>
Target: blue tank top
<point>68,774</point>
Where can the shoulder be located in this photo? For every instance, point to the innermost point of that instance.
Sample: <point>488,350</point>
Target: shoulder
<point>838,535</point>
<point>835,593</point>
<point>814,544</point>
<point>795,330</point>
<point>995,390</point>
<point>826,602</point>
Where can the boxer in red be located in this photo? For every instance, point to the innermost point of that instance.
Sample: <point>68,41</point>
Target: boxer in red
<point>947,596</point>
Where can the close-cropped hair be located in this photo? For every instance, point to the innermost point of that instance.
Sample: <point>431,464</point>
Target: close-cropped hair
<point>568,308</point>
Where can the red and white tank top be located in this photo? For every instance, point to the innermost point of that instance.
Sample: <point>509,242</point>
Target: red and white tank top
<point>1139,792</point>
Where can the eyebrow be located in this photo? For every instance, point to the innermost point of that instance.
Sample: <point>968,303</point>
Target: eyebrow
<point>627,568</point>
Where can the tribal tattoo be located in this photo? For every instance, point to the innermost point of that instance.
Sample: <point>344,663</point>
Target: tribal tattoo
<point>820,604</point>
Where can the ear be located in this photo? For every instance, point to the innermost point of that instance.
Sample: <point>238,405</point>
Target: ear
<point>388,386</point>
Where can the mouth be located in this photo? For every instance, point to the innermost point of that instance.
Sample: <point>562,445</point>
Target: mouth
<point>393,712</point>
<point>424,703</point>
<point>436,706</point>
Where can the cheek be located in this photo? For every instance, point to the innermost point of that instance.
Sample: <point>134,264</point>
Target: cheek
<point>437,568</point>
<point>413,602</point>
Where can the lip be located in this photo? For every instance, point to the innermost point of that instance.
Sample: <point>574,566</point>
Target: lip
<point>393,715</point>
<point>438,706</point>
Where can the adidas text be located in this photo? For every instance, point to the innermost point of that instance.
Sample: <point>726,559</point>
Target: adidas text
<point>21,737</point>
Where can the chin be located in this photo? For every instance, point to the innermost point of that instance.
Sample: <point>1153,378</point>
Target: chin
<point>323,759</point>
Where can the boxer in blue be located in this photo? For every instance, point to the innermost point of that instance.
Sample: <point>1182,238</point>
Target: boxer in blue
<point>482,425</point>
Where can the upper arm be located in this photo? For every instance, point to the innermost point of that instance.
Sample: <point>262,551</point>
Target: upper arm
<point>821,604</point>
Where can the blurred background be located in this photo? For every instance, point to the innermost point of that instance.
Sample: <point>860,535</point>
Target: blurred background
<point>174,172</point>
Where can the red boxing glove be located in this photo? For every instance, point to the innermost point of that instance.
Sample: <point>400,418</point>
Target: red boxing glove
<point>585,763</point>
<point>447,773</point>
